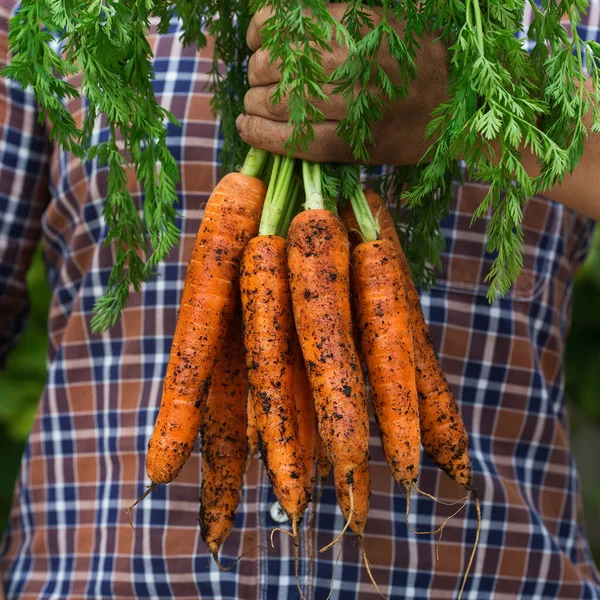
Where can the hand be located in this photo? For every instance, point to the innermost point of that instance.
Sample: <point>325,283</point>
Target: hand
<point>399,136</point>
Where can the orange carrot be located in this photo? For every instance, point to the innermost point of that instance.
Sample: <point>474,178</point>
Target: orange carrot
<point>207,304</point>
<point>323,463</point>
<point>387,347</point>
<point>318,263</point>
<point>251,432</point>
<point>305,411</point>
<point>224,443</point>
<point>443,433</point>
<point>268,339</point>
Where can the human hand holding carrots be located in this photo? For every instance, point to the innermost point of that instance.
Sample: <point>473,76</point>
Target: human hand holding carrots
<point>399,138</point>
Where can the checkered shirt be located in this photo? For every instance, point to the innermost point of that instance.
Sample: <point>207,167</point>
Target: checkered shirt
<point>68,536</point>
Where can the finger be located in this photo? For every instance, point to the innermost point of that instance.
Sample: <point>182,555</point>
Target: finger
<point>258,102</point>
<point>253,35</point>
<point>261,71</point>
<point>272,135</point>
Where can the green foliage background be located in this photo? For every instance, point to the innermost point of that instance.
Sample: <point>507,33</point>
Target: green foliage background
<point>21,385</point>
<point>22,382</point>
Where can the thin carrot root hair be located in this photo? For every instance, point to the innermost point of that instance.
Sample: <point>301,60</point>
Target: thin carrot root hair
<point>348,521</point>
<point>215,555</point>
<point>335,564</point>
<point>431,497</point>
<point>296,536</point>
<point>440,529</point>
<point>129,510</point>
<point>221,567</point>
<point>272,534</point>
<point>368,565</point>
<point>478,509</point>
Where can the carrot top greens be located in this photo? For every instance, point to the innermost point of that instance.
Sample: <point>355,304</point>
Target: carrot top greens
<point>501,99</point>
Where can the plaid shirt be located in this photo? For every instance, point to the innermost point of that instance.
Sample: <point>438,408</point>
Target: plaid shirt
<point>84,463</point>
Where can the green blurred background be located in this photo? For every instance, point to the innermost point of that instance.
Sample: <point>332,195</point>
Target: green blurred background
<point>22,382</point>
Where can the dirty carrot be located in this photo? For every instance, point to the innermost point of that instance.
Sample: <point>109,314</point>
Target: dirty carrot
<point>251,432</point>
<point>230,219</point>
<point>319,270</point>
<point>224,444</point>
<point>269,337</point>
<point>305,411</point>
<point>383,286</point>
<point>443,434</point>
<point>387,348</point>
<point>323,463</point>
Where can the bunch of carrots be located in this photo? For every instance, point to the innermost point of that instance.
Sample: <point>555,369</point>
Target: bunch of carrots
<point>285,305</point>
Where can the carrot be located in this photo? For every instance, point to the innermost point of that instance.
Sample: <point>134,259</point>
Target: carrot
<point>323,463</point>
<point>268,340</point>
<point>207,304</point>
<point>387,347</point>
<point>251,432</point>
<point>308,436</point>
<point>305,411</point>
<point>224,443</point>
<point>443,434</point>
<point>318,264</point>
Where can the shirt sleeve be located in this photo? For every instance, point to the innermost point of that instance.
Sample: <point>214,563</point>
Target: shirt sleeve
<point>24,162</point>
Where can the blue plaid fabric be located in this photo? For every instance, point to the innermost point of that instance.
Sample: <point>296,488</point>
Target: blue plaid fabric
<point>68,537</point>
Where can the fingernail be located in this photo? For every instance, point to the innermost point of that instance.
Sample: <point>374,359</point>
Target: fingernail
<point>238,121</point>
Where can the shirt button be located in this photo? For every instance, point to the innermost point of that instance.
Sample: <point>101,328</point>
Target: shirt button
<point>277,513</point>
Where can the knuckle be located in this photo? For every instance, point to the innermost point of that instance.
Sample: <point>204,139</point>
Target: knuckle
<point>262,15</point>
<point>279,110</point>
<point>252,70</point>
<point>242,127</point>
<point>247,102</point>
<point>332,60</point>
<point>276,110</point>
<point>260,63</point>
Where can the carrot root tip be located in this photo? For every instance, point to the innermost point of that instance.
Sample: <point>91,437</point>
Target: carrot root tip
<point>335,564</point>
<point>296,537</point>
<point>339,537</point>
<point>218,562</point>
<point>472,557</point>
<point>129,511</point>
<point>368,566</point>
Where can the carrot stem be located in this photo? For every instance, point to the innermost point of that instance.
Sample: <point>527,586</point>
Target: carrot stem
<point>369,227</point>
<point>292,208</point>
<point>255,162</point>
<point>277,195</point>
<point>267,170</point>
<point>274,171</point>
<point>311,173</point>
